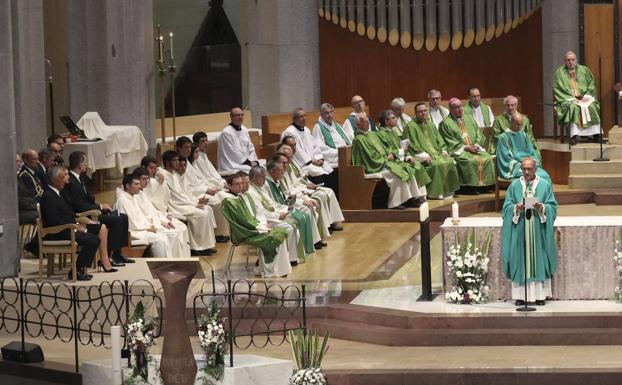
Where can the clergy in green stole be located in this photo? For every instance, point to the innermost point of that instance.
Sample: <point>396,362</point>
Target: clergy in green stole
<point>575,96</point>
<point>530,235</point>
<point>426,143</point>
<point>502,124</point>
<point>465,143</point>
<point>514,146</point>
<point>243,225</point>
<point>475,101</point>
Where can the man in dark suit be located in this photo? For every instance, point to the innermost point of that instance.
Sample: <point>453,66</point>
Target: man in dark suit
<point>82,200</point>
<point>46,160</point>
<point>27,173</point>
<point>55,211</point>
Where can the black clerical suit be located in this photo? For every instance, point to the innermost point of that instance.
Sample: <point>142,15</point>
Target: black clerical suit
<point>81,200</point>
<point>55,211</point>
<point>41,175</point>
<point>31,182</point>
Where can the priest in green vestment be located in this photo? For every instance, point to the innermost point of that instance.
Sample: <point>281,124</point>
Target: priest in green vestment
<point>246,228</point>
<point>576,106</point>
<point>529,232</point>
<point>502,124</point>
<point>427,146</point>
<point>465,143</point>
<point>405,190</point>
<point>478,110</point>
<point>514,146</point>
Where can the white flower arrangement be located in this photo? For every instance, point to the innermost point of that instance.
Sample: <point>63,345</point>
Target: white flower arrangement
<point>139,333</point>
<point>617,258</point>
<point>213,341</point>
<point>468,266</point>
<point>307,376</point>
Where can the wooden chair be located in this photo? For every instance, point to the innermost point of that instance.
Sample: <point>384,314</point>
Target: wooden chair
<point>49,248</point>
<point>25,233</point>
<point>355,191</point>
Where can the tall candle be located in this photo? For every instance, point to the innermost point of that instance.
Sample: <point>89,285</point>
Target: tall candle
<point>160,49</point>
<point>115,336</point>
<point>454,211</point>
<point>424,212</point>
<point>171,35</point>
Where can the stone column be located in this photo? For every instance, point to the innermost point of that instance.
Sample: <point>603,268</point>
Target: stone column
<point>280,56</point>
<point>560,33</point>
<point>29,73</point>
<point>111,62</point>
<point>9,259</point>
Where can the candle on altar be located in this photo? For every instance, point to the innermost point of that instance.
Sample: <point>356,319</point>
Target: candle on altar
<point>455,211</point>
<point>424,211</point>
<point>160,49</point>
<point>171,35</point>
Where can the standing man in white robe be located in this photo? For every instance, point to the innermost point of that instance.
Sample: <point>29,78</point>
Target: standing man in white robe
<point>437,112</point>
<point>398,105</point>
<point>163,244</point>
<point>236,152</point>
<point>197,185</point>
<point>481,112</point>
<point>308,153</point>
<point>329,135</point>
<point>200,216</point>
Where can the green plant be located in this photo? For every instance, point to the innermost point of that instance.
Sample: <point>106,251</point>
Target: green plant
<point>306,347</point>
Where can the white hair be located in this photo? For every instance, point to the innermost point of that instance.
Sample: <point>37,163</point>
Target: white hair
<point>507,99</point>
<point>325,107</point>
<point>398,102</point>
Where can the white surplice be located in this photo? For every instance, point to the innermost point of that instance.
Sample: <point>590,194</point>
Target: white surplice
<point>330,154</point>
<point>307,150</point>
<point>163,245</point>
<point>234,148</point>
<point>195,184</point>
<point>209,172</point>
<point>438,114</point>
<point>201,222</point>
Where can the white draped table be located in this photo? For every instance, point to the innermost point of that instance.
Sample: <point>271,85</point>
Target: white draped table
<point>585,248</point>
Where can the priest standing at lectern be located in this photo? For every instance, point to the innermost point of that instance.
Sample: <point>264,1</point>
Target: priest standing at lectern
<point>529,232</point>
<point>576,106</point>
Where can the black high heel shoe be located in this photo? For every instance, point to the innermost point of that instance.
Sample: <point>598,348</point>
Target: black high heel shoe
<point>100,267</point>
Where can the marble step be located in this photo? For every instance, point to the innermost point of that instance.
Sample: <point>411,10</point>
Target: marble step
<point>595,181</point>
<point>589,151</point>
<point>589,167</point>
<point>393,336</point>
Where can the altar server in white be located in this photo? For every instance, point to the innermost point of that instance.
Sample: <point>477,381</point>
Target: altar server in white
<point>235,149</point>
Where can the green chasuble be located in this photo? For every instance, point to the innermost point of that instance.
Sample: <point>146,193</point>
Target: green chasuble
<point>468,109</point>
<point>369,152</point>
<point>502,124</point>
<point>425,138</point>
<point>565,88</point>
<point>473,169</point>
<point>513,147</point>
<point>531,237</point>
<point>389,139</point>
<point>243,226</point>
<point>303,220</point>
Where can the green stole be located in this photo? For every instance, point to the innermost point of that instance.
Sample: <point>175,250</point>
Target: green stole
<point>277,193</point>
<point>485,112</point>
<point>328,138</point>
<point>372,124</point>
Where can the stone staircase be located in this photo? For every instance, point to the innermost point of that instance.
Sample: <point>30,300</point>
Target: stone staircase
<point>586,174</point>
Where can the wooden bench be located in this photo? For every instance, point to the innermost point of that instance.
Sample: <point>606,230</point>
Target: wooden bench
<point>188,125</point>
<point>355,192</point>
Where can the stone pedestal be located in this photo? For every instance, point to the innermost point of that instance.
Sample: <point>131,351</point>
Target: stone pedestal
<point>177,364</point>
<point>247,370</point>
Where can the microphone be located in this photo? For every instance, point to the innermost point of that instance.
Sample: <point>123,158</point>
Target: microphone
<point>528,214</point>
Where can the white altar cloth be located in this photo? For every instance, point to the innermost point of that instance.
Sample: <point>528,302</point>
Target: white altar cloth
<point>247,370</point>
<point>126,143</point>
<point>584,255</point>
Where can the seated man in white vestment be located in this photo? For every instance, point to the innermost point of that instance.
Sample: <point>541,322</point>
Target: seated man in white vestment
<point>195,184</point>
<point>309,154</point>
<point>157,190</point>
<point>480,111</point>
<point>250,228</point>
<point>298,183</point>
<point>236,152</point>
<point>330,135</point>
<point>165,242</point>
<point>397,106</point>
<point>358,107</point>
<point>204,165</point>
<point>200,216</point>
<point>437,112</point>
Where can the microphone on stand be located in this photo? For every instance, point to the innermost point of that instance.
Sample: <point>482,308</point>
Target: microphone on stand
<point>525,307</point>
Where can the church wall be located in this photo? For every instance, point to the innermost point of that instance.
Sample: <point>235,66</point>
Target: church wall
<point>511,64</point>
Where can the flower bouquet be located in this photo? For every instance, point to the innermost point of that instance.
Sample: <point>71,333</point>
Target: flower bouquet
<point>468,266</point>
<point>139,335</point>
<point>213,340</point>
<point>617,258</point>
<point>308,354</point>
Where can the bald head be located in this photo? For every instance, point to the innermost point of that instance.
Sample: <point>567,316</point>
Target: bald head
<point>237,116</point>
<point>362,122</point>
<point>30,158</point>
<point>358,104</point>
<point>517,122</point>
